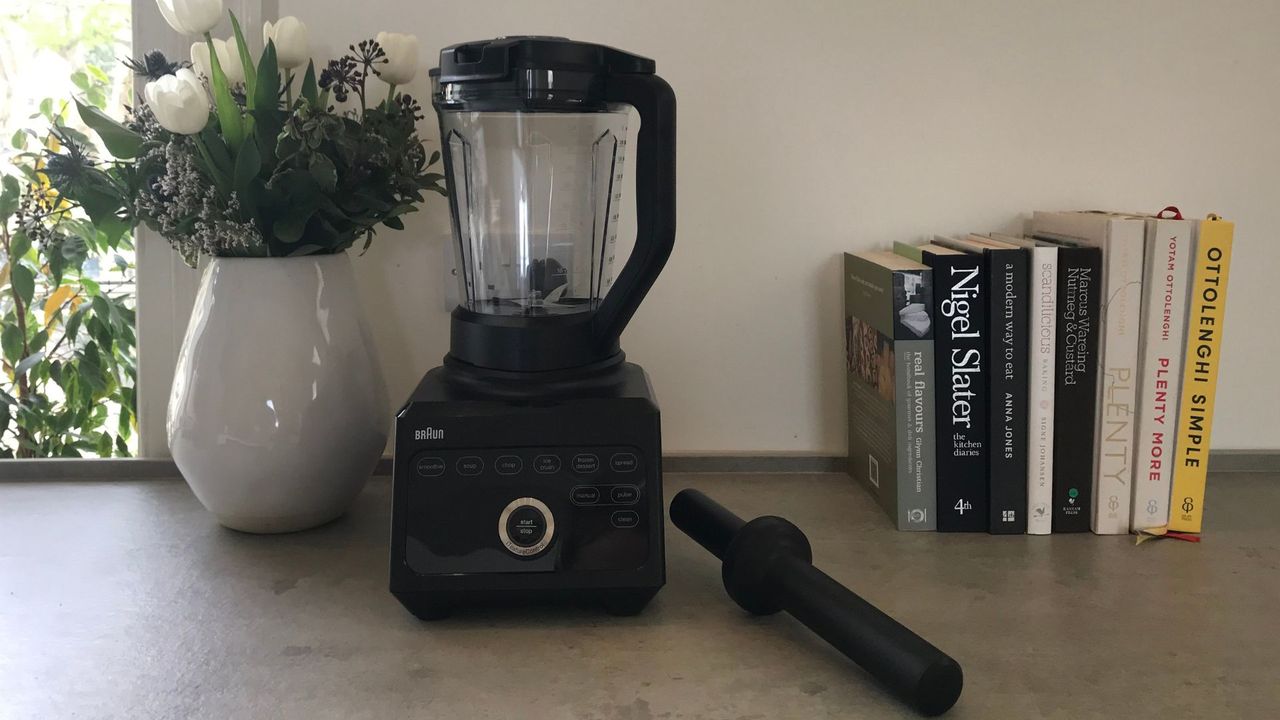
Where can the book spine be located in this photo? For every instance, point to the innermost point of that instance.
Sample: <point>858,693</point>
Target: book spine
<point>1168,262</point>
<point>1075,394</point>
<point>1200,376</point>
<point>1117,381</point>
<point>917,484</point>
<point>1007,272</point>
<point>961,396</point>
<point>1043,340</point>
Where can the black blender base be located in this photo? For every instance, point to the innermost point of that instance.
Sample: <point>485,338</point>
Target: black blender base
<point>511,493</point>
<point>625,602</point>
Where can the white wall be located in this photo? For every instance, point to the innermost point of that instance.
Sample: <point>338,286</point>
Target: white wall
<point>811,128</point>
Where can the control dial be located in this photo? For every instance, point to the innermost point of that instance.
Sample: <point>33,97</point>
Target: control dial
<point>526,526</point>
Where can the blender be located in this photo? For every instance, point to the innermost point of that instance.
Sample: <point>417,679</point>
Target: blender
<point>528,465</point>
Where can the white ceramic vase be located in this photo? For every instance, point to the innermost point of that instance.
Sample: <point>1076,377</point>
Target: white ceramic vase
<point>279,412</point>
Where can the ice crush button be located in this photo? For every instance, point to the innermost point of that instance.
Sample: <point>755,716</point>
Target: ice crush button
<point>430,467</point>
<point>626,519</point>
<point>624,494</point>
<point>546,464</point>
<point>585,463</point>
<point>624,462</point>
<point>585,495</point>
<point>508,464</point>
<point>470,465</point>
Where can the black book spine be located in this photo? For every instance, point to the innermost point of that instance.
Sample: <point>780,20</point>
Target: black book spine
<point>1075,393</point>
<point>1008,274</point>
<point>960,346</point>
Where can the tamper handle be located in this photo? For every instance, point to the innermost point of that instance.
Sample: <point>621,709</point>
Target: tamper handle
<point>708,522</point>
<point>767,567</point>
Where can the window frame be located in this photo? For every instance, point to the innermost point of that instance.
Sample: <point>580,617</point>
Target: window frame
<point>166,287</point>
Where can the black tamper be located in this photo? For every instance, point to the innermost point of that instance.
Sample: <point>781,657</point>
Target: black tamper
<point>768,566</point>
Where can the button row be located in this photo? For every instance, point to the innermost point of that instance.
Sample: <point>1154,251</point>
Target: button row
<point>618,495</point>
<point>582,463</point>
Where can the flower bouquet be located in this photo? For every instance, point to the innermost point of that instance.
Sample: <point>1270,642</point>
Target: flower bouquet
<point>278,412</point>
<point>228,157</point>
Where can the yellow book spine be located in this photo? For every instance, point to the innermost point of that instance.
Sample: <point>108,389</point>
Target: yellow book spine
<point>1200,373</point>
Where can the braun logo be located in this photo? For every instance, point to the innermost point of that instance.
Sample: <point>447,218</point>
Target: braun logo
<point>428,434</point>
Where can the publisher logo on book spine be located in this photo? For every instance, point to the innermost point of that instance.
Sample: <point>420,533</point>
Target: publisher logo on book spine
<point>917,515</point>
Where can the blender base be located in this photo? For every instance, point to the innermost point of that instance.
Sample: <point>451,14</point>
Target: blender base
<point>528,488</point>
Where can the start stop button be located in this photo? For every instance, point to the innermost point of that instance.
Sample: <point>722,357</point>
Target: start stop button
<point>526,526</point>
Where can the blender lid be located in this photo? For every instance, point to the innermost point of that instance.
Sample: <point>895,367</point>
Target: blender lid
<point>529,72</point>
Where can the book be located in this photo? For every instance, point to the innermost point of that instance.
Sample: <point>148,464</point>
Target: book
<point>1122,241</point>
<point>1006,273</point>
<point>1207,309</point>
<point>960,415</point>
<point>1042,325</point>
<point>1075,393</point>
<point>889,362</point>
<point>1169,246</point>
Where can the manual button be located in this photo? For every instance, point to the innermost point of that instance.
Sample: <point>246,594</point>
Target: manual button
<point>624,494</point>
<point>624,462</point>
<point>584,495</point>
<point>585,463</point>
<point>626,519</point>
<point>430,467</point>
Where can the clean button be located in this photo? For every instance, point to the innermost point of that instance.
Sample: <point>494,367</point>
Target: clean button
<point>626,519</point>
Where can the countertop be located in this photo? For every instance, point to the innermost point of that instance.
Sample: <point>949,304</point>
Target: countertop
<point>125,599</point>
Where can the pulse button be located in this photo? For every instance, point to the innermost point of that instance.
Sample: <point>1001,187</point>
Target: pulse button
<point>624,494</point>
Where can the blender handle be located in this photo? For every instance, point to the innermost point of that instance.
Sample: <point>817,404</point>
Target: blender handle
<point>653,99</point>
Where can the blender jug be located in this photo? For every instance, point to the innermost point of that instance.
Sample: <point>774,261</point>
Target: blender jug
<point>534,138</point>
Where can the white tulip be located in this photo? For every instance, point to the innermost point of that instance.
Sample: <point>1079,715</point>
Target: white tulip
<point>293,48</point>
<point>191,17</point>
<point>179,102</point>
<point>228,58</point>
<point>402,58</point>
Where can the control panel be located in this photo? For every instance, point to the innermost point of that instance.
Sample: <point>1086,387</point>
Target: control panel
<point>525,510</point>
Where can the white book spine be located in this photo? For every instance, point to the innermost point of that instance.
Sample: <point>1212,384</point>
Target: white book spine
<point>1044,314</point>
<point>1170,248</point>
<point>1118,380</point>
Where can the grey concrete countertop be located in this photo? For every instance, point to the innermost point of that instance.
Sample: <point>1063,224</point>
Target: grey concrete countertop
<point>126,600</point>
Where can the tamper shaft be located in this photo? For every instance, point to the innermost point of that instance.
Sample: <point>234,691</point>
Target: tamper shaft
<point>767,567</point>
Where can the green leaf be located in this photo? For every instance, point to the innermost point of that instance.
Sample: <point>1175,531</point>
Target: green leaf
<point>119,140</point>
<point>290,229</point>
<point>229,119</point>
<point>250,73</point>
<point>10,192</point>
<point>394,223</point>
<point>19,140</point>
<point>24,282</point>
<point>28,362</point>
<point>310,91</point>
<point>90,286</point>
<point>248,164</point>
<point>20,246</point>
<point>104,445</point>
<point>11,343</point>
<point>325,174</point>
<point>80,79</point>
<point>267,94</point>
<point>306,250</point>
